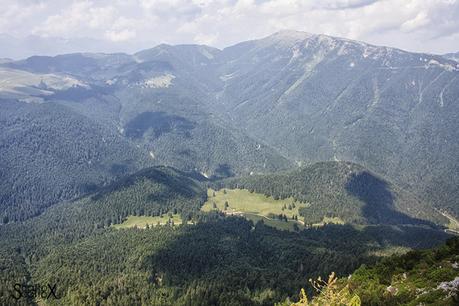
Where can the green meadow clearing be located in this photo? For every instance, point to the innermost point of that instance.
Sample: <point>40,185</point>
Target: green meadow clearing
<point>142,221</point>
<point>255,207</point>
<point>243,200</point>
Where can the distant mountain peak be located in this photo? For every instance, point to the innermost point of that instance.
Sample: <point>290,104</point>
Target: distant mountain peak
<point>452,56</point>
<point>191,50</point>
<point>293,35</point>
<point>300,43</point>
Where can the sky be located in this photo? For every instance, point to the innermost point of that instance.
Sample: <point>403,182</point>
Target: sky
<point>55,26</point>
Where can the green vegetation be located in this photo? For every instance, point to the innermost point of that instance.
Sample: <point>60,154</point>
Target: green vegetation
<point>221,125</point>
<point>218,260</point>
<point>151,192</point>
<point>328,294</point>
<point>67,188</point>
<point>330,220</point>
<point>424,277</point>
<point>281,214</point>
<point>289,225</point>
<point>146,221</point>
<point>341,192</point>
<point>427,277</point>
<point>241,200</point>
<point>80,140</point>
<point>328,116</point>
<point>51,153</point>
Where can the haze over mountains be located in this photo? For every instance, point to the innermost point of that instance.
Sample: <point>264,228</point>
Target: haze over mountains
<point>260,106</point>
<point>30,45</point>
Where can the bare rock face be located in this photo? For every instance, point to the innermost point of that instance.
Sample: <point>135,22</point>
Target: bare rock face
<point>392,290</point>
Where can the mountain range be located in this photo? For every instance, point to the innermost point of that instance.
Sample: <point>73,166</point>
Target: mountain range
<point>260,106</point>
<point>191,175</point>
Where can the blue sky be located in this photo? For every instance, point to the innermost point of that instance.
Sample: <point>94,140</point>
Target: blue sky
<point>130,25</point>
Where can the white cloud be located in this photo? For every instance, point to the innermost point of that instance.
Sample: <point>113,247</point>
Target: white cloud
<point>119,36</point>
<point>205,39</point>
<point>14,16</point>
<point>77,19</point>
<point>417,22</point>
<point>418,25</point>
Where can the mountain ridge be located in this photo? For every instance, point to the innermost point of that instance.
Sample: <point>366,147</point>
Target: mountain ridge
<point>289,98</point>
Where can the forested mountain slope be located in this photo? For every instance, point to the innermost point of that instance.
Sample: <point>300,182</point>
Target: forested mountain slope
<point>156,99</point>
<point>210,259</point>
<point>316,97</point>
<point>266,105</point>
<point>82,120</point>
<point>151,192</point>
<point>50,153</point>
<point>343,190</point>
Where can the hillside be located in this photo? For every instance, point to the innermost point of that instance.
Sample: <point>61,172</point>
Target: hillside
<point>316,97</point>
<point>208,258</point>
<point>87,133</point>
<point>341,190</point>
<point>229,177</point>
<point>428,277</point>
<point>51,154</point>
<point>149,192</point>
<point>266,105</point>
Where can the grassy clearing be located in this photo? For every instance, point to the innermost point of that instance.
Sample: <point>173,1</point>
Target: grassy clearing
<point>327,220</point>
<point>142,221</point>
<point>255,207</point>
<point>242,200</point>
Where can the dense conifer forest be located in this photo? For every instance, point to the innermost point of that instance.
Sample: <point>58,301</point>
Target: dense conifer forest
<point>209,259</point>
<point>341,189</point>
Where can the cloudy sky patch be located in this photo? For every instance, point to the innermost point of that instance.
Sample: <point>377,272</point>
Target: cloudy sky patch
<point>129,25</point>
